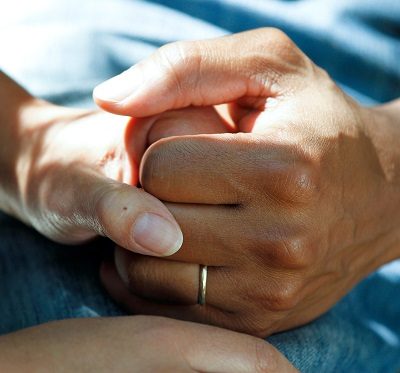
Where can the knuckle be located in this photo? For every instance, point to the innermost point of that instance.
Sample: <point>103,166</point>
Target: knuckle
<point>287,172</point>
<point>181,51</point>
<point>172,61</point>
<point>285,297</point>
<point>257,323</point>
<point>301,252</point>
<point>278,36</point>
<point>169,55</point>
<point>181,62</point>
<point>289,57</point>
<point>300,183</point>
<point>292,253</point>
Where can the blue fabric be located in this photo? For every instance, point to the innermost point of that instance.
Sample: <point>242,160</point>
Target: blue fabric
<point>61,49</point>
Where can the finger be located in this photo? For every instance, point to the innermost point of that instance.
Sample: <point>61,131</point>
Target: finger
<point>161,281</point>
<point>172,282</point>
<point>207,350</point>
<point>127,215</point>
<point>213,169</point>
<point>255,63</point>
<point>208,314</point>
<point>194,169</point>
<point>211,231</point>
<point>135,304</point>
<point>226,236</point>
<point>143,132</point>
<point>189,121</point>
<point>245,353</point>
<point>233,290</point>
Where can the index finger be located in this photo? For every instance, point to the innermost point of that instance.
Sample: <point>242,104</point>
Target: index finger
<point>202,73</point>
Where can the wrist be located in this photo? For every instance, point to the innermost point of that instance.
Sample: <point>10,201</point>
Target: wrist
<point>12,167</point>
<point>382,127</point>
<point>21,116</point>
<point>27,138</point>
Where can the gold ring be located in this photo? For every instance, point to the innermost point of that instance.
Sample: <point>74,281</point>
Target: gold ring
<point>202,285</point>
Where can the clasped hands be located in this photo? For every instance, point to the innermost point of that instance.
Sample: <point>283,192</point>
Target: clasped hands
<point>289,213</point>
<point>289,209</point>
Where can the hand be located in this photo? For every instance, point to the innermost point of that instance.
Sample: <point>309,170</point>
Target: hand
<point>289,214</point>
<point>136,344</point>
<point>72,173</point>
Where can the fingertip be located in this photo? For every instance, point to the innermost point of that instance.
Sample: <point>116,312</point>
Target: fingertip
<point>135,220</point>
<point>157,235</point>
<point>117,88</point>
<point>113,107</point>
<point>116,288</point>
<point>106,272</point>
<point>113,283</point>
<point>126,93</point>
<point>122,258</point>
<point>133,106</point>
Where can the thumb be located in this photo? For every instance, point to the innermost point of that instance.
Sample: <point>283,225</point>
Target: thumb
<point>127,215</point>
<point>257,63</point>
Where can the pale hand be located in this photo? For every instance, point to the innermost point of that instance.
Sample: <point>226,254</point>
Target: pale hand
<point>136,344</point>
<point>72,174</point>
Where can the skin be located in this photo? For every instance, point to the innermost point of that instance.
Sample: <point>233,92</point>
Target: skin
<point>71,174</point>
<point>48,153</point>
<point>136,344</point>
<point>289,214</point>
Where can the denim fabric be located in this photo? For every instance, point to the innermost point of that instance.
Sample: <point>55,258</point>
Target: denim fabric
<point>61,49</point>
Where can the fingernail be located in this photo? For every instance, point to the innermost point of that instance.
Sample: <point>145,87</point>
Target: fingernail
<point>157,235</point>
<point>118,88</point>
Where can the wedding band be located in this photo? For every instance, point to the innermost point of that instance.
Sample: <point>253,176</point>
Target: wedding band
<point>202,285</point>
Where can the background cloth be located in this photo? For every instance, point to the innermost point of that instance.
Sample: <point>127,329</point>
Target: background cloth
<point>61,49</point>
